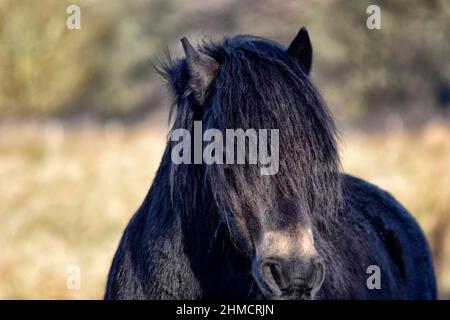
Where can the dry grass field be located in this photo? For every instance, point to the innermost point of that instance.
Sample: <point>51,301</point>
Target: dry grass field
<point>66,195</point>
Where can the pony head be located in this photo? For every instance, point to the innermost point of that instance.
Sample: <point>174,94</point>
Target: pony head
<point>251,83</point>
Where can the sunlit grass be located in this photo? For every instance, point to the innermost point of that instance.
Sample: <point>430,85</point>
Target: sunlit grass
<point>67,194</point>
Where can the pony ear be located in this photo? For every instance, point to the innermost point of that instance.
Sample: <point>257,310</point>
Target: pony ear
<point>301,50</point>
<point>202,69</point>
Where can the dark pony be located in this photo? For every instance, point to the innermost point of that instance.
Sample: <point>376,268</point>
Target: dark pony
<point>226,231</point>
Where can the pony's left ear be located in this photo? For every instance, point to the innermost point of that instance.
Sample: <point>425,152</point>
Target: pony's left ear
<point>301,50</point>
<point>202,69</point>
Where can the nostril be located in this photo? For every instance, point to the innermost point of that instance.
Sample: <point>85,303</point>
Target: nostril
<point>275,269</point>
<point>319,277</point>
<point>272,276</point>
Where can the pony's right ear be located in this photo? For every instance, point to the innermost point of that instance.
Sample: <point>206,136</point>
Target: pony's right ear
<point>202,69</point>
<point>301,50</point>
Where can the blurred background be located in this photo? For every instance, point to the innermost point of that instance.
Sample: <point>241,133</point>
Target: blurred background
<point>84,117</point>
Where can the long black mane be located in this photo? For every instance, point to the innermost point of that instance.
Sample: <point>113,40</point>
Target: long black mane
<point>258,86</point>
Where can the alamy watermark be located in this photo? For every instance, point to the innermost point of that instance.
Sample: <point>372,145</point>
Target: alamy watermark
<point>374,280</point>
<point>373,21</point>
<point>73,21</point>
<point>239,146</point>
<point>73,277</point>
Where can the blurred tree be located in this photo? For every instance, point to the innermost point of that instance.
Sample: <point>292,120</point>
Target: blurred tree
<point>400,67</point>
<point>105,69</point>
<point>42,68</point>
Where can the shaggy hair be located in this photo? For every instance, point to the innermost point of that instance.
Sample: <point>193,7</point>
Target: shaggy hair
<point>178,246</point>
<point>258,86</point>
